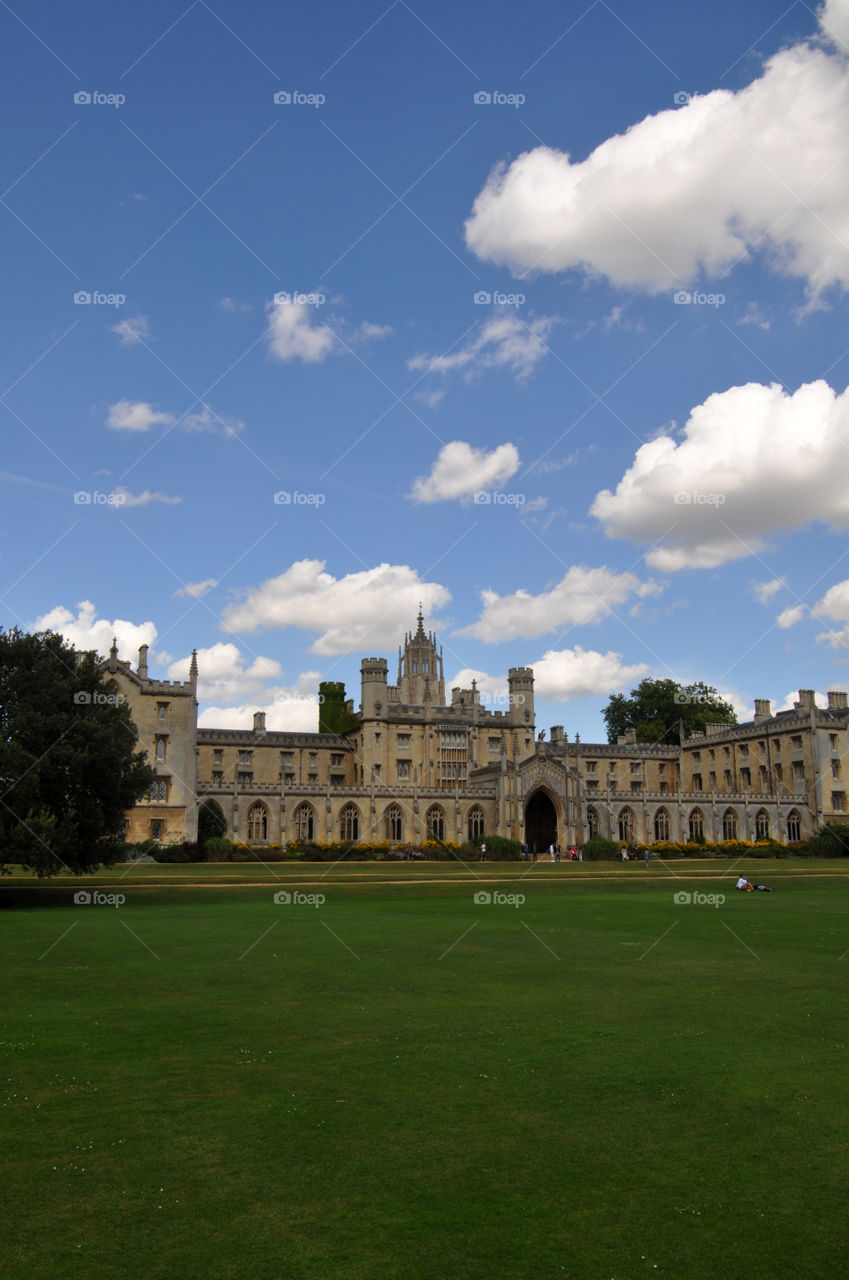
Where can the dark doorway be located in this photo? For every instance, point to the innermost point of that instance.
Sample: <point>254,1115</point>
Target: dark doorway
<point>540,822</point>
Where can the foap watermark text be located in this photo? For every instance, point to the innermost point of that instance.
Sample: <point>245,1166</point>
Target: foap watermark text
<point>683,898</point>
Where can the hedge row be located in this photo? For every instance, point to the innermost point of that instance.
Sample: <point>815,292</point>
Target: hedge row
<point>832,841</point>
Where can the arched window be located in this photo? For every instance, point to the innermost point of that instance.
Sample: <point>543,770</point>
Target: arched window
<point>593,824</point>
<point>761,825</point>
<point>257,822</point>
<point>435,822</point>
<point>661,825</point>
<point>697,824</point>
<point>303,822</point>
<point>627,824</point>
<point>794,826</point>
<point>729,825</point>
<point>159,789</point>
<point>475,822</point>
<point>349,823</point>
<point>392,823</point>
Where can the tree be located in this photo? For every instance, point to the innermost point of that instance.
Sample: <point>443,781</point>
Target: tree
<point>212,824</point>
<point>656,707</point>
<point>69,764</point>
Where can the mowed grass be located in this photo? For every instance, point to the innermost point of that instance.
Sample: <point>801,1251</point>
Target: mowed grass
<point>402,1082</point>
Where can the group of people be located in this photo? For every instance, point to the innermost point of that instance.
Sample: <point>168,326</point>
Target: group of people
<point>530,853</point>
<point>632,852</point>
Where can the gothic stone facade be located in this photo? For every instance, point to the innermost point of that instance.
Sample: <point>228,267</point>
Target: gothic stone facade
<point>417,764</point>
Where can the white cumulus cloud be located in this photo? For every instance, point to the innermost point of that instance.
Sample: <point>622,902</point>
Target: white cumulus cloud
<point>124,498</point>
<point>461,471</point>
<point>87,631</point>
<point>136,415</point>
<point>764,591</point>
<point>582,596</point>
<point>365,610</point>
<point>504,341</point>
<point>132,331</point>
<point>790,616</point>
<point>834,606</point>
<point>561,674</point>
<point>225,675</point>
<point>195,589</point>
<point>293,335</point>
<point>694,189</point>
<point>753,459</point>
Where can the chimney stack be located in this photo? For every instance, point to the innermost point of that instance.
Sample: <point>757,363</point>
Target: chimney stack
<point>143,648</point>
<point>259,722</point>
<point>762,710</point>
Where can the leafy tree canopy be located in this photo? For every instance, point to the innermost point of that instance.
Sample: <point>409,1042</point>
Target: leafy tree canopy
<point>69,763</point>
<point>655,708</point>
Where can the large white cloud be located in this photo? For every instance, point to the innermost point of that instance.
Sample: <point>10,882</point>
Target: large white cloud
<point>692,190</point>
<point>582,596</point>
<point>224,675</point>
<point>576,673</point>
<point>834,606</point>
<point>366,610</point>
<point>87,631</point>
<point>834,19</point>
<point>461,471</point>
<point>752,459</point>
<point>291,708</point>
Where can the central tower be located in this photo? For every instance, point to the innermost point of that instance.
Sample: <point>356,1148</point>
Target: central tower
<point>420,676</point>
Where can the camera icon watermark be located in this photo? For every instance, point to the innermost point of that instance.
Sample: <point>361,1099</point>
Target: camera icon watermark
<point>86,498</point>
<point>284,297</point>
<point>294,498</point>
<point>684,298</point>
<point>94,298</point>
<point>497,99</point>
<point>693,497</point>
<point>283,898</point>
<point>497,498</point>
<point>82,98</point>
<point>483,898</point>
<point>681,98</point>
<point>683,898</point>
<point>294,98</point>
<point>94,898</point>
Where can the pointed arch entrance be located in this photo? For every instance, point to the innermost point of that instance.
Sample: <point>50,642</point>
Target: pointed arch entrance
<point>540,820</point>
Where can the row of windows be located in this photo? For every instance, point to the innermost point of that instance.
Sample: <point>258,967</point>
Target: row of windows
<point>627,824</point>
<point>337,759</point>
<point>349,822</point>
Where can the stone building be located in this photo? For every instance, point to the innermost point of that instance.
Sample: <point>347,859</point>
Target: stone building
<point>417,764</point>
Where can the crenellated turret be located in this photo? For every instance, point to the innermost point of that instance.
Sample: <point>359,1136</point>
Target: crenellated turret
<point>374,675</point>
<point>520,684</point>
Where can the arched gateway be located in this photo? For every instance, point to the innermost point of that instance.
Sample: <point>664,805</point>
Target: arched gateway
<point>540,820</point>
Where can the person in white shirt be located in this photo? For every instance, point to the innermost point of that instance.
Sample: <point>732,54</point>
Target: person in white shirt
<point>747,886</point>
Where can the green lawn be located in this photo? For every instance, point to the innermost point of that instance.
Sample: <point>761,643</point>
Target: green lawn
<point>401,1082</point>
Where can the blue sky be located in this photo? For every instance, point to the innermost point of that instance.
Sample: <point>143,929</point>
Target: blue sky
<point>534,314</point>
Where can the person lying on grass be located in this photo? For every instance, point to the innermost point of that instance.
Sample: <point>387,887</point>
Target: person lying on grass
<point>747,885</point>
